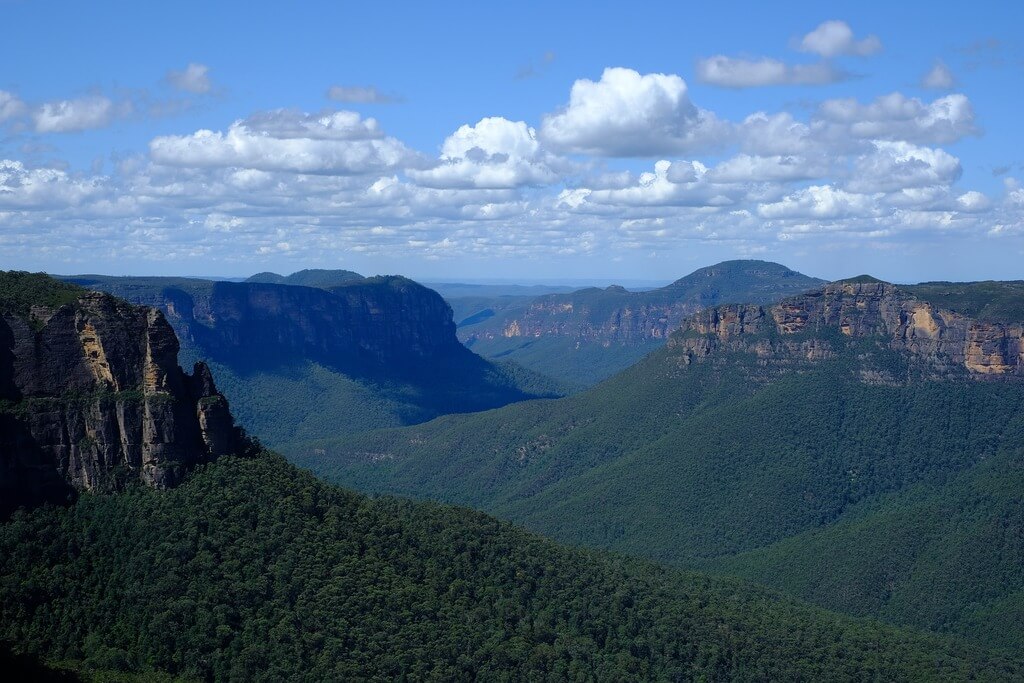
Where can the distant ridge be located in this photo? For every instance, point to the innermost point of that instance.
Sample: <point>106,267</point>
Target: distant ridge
<point>324,279</point>
<point>585,336</point>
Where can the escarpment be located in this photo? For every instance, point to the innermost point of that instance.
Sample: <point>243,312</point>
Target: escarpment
<point>814,325</point>
<point>92,399</point>
<point>383,325</point>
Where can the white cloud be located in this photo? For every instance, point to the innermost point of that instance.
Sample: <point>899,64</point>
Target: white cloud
<point>897,117</point>
<point>833,38</point>
<point>745,168</point>
<point>732,72</point>
<point>892,166</point>
<point>328,125</point>
<point>66,116</point>
<point>626,114</point>
<point>495,153</point>
<point>10,106</point>
<point>774,134</point>
<point>195,78</point>
<point>43,188</point>
<point>360,94</point>
<point>819,201</point>
<point>327,185</point>
<point>338,143</point>
<point>671,184</point>
<point>973,201</point>
<point>939,77</point>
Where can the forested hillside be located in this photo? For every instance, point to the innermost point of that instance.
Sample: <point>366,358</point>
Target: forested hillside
<point>252,570</point>
<point>807,443</point>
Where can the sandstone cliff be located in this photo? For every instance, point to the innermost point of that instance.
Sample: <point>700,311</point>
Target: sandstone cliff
<point>92,399</point>
<point>812,326</point>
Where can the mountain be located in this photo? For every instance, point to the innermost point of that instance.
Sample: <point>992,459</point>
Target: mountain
<point>254,570</point>
<point>325,279</point>
<point>798,444</point>
<point>585,336</point>
<point>92,398</point>
<point>301,363</point>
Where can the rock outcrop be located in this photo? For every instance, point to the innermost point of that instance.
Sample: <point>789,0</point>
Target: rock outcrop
<point>807,326</point>
<point>92,399</point>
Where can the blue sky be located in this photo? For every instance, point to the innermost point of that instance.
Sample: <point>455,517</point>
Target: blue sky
<point>531,141</point>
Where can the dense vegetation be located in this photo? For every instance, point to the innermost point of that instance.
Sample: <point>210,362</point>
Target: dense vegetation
<point>988,301</point>
<point>577,365</point>
<point>19,291</point>
<point>291,405</point>
<point>253,570</point>
<point>687,463</point>
<point>946,557</point>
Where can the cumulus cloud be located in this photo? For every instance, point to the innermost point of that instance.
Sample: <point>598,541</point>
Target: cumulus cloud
<point>84,113</point>
<point>774,134</point>
<point>746,168</point>
<point>671,184</point>
<point>43,188</point>
<point>305,186</point>
<point>339,143</point>
<point>818,201</point>
<point>892,166</point>
<point>732,72</point>
<point>627,114</point>
<point>834,38</point>
<point>360,94</point>
<point>194,78</point>
<point>897,117</point>
<point>939,77</point>
<point>495,153</point>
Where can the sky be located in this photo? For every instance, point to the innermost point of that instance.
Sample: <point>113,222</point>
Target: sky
<point>521,141</point>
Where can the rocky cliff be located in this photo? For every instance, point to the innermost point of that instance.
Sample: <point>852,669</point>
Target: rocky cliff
<point>92,399</point>
<point>369,325</point>
<point>814,325</point>
<point>616,316</point>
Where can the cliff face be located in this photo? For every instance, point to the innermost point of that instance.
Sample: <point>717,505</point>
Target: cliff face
<point>394,322</point>
<point>803,327</point>
<point>617,316</point>
<point>373,324</point>
<point>92,398</point>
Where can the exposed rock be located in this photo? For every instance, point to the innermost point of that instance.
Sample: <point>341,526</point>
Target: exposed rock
<point>94,399</point>
<point>800,326</point>
<point>382,324</point>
